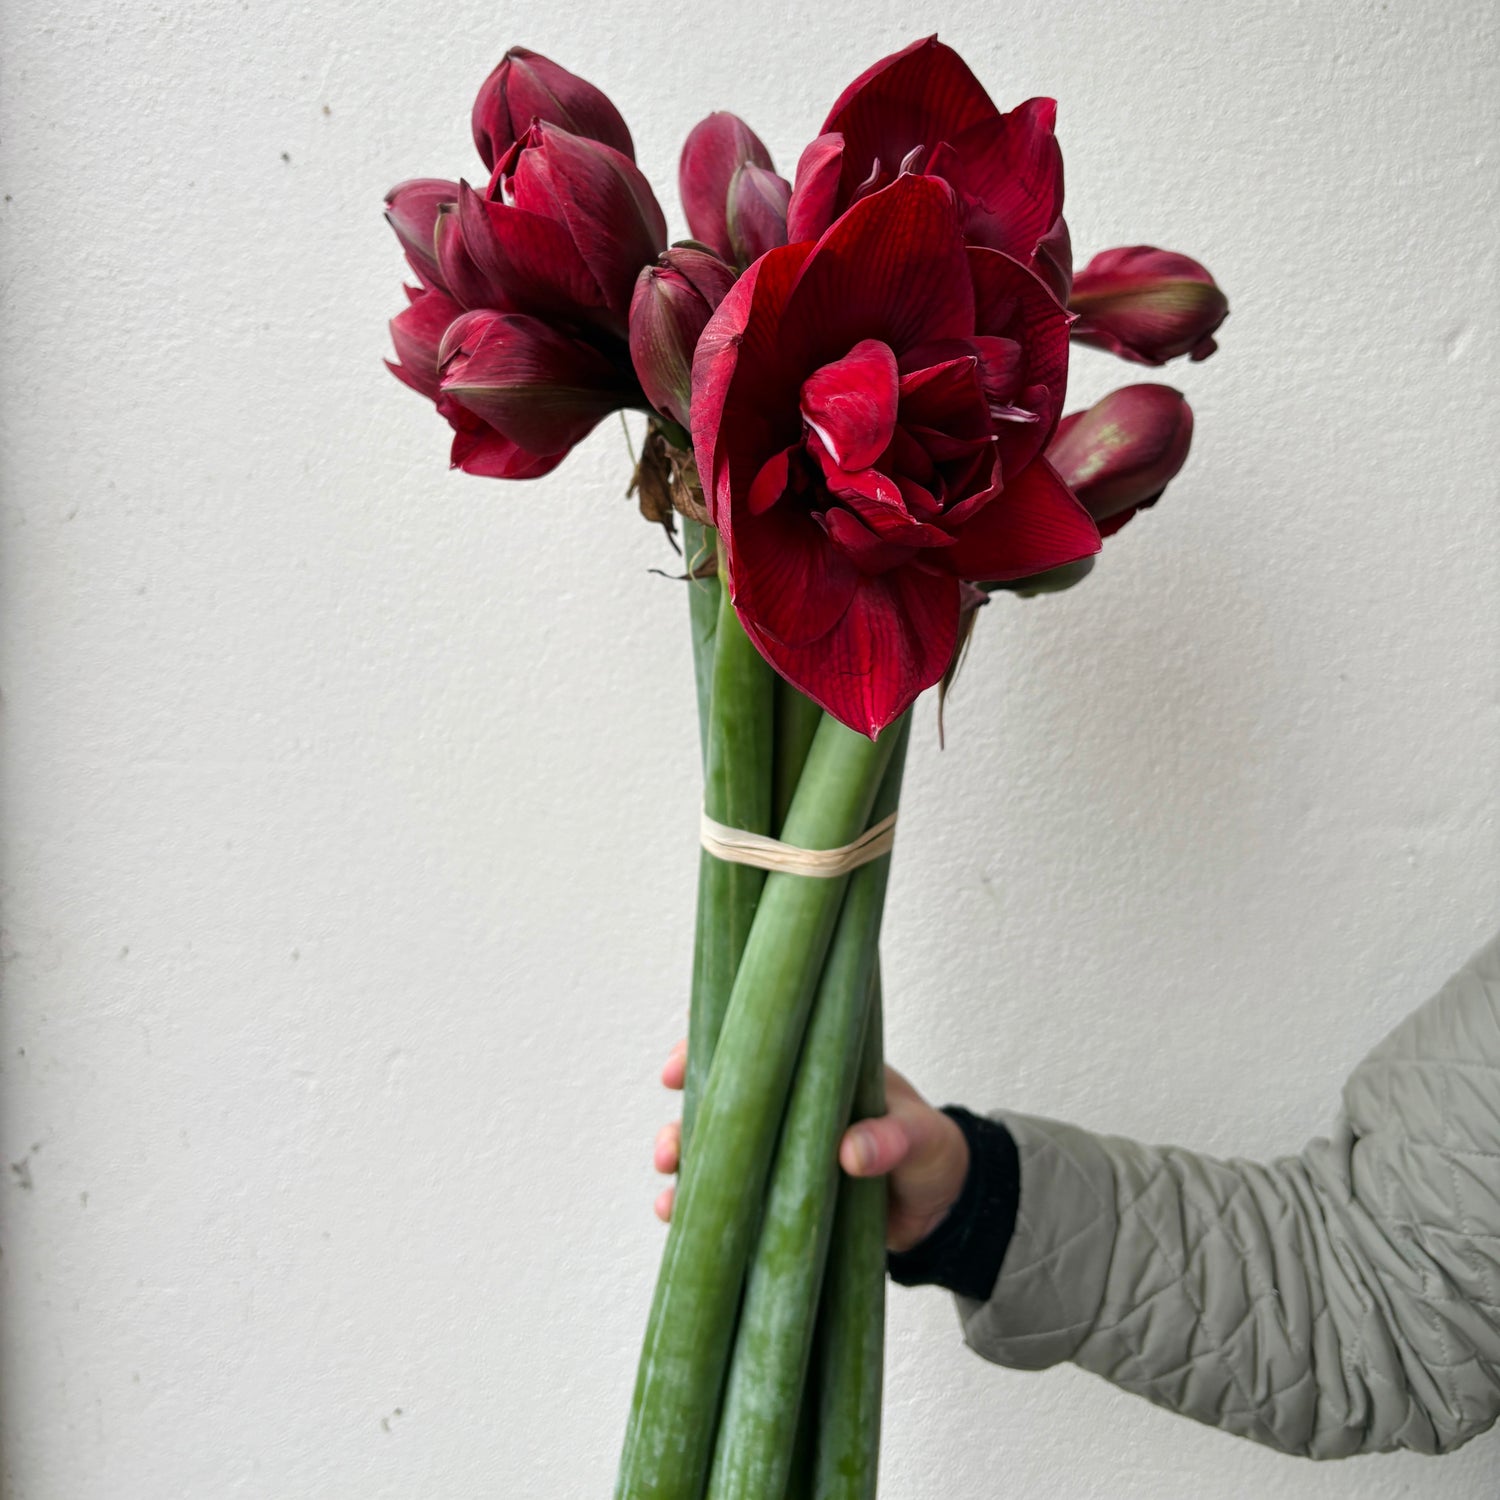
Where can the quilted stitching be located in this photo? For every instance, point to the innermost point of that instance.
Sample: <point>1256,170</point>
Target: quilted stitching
<point>1346,1300</point>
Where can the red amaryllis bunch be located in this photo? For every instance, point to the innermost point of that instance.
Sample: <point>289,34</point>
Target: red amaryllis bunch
<point>853,386</point>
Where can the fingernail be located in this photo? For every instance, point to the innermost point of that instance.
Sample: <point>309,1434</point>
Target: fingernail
<point>864,1150</point>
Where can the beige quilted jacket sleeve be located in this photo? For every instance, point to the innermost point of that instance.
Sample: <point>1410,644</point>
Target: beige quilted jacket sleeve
<point>1343,1301</point>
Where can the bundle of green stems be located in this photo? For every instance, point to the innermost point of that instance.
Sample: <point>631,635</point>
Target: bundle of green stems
<point>760,1374</point>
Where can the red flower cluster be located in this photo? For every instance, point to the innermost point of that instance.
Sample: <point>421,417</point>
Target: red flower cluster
<point>876,403</point>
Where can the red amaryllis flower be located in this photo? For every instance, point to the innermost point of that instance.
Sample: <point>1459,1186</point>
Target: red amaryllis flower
<point>869,415</point>
<point>526,86</point>
<point>922,110</point>
<point>1147,305</point>
<point>550,255</point>
<point>1120,454</point>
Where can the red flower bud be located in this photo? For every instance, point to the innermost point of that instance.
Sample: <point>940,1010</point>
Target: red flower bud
<point>411,209</point>
<point>1119,455</point>
<point>525,87</point>
<point>755,212</point>
<point>541,389</point>
<point>672,303</point>
<point>1147,305</point>
<point>715,150</point>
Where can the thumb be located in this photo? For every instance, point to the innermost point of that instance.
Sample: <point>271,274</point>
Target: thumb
<point>873,1147</point>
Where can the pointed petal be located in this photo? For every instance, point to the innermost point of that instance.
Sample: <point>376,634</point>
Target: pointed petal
<point>1012,167</point>
<point>920,96</point>
<point>417,332</point>
<point>815,194</point>
<point>411,209</point>
<point>534,385</point>
<point>531,260</point>
<point>610,212</point>
<point>466,283</point>
<point>894,640</point>
<point>526,86</point>
<point>1035,523</point>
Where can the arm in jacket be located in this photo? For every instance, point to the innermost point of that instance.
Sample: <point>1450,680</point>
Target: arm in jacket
<point>1346,1300</point>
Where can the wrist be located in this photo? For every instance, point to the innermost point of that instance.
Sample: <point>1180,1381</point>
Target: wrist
<point>967,1243</point>
<point>950,1172</point>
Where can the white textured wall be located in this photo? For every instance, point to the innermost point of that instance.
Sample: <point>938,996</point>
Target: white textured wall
<point>350,803</point>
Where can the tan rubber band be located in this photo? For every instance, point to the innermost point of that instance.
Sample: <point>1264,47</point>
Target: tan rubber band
<point>736,847</point>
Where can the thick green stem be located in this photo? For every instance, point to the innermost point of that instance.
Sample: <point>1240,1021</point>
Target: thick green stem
<point>736,792</point>
<point>850,1357</point>
<point>763,1395</point>
<point>703,619</point>
<point>797,719</point>
<point>669,1441</point>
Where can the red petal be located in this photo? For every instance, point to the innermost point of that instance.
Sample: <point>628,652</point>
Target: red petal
<point>859,543</point>
<point>895,639</point>
<point>417,331</point>
<point>611,214</point>
<point>1035,523</point>
<point>756,212</point>
<point>530,259</point>
<point>814,203</point>
<point>851,404</point>
<point>1012,166</point>
<point>787,576</point>
<point>486,453</point>
<point>742,416</point>
<point>1012,302</point>
<point>533,384</point>
<point>411,209</point>
<point>525,86</point>
<point>920,96</point>
<point>770,483</point>
<point>892,268</point>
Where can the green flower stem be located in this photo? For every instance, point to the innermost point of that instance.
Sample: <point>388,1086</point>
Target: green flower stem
<point>850,1359</point>
<point>736,792</point>
<point>669,1441</point>
<point>797,721</point>
<point>698,542</point>
<point>763,1395</point>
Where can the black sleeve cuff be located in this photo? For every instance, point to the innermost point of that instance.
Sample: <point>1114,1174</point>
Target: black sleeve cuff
<point>965,1251</point>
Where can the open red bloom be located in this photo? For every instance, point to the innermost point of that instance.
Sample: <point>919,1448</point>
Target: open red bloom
<point>869,415</point>
<point>922,110</point>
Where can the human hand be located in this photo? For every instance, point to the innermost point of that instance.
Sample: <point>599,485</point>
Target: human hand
<point>919,1149</point>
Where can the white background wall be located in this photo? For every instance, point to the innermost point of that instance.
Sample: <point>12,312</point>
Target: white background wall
<point>350,803</point>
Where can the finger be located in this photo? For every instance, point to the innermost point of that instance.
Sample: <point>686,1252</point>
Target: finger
<point>662,1208</point>
<point>872,1148</point>
<point>898,1085</point>
<point>674,1072</point>
<point>668,1148</point>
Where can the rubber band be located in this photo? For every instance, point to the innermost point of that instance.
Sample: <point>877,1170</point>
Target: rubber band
<point>736,847</point>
